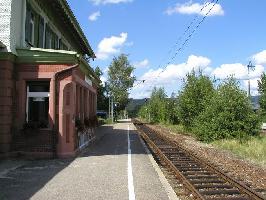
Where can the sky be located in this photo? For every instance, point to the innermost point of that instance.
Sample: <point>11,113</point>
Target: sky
<point>155,34</point>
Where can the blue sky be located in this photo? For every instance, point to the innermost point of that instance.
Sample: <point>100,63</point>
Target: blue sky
<point>232,34</point>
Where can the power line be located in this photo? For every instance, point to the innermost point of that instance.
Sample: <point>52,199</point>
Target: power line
<point>189,26</point>
<point>183,34</point>
<point>181,37</point>
<point>189,36</point>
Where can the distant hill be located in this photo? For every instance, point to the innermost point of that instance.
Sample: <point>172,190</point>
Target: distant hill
<point>134,105</point>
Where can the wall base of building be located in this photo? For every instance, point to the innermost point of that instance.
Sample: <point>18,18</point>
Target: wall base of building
<point>6,104</point>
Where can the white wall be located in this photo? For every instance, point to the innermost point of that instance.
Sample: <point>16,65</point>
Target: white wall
<point>5,15</point>
<point>12,20</point>
<point>17,25</point>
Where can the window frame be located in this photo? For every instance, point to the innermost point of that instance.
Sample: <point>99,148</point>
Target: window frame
<point>41,28</point>
<point>29,25</point>
<point>35,95</point>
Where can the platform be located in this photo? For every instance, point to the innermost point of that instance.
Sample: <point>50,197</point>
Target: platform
<point>112,169</point>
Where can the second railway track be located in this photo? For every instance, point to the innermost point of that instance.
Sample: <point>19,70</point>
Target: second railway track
<point>200,178</point>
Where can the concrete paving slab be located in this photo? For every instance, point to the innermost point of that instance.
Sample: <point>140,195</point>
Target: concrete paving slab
<point>101,172</point>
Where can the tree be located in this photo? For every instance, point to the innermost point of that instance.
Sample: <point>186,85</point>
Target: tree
<point>120,79</point>
<point>228,114</point>
<point>157,105</point>
<point>102,100</point>
<point>262,92</point>
<point>172,109</point>
<point>192,99</point>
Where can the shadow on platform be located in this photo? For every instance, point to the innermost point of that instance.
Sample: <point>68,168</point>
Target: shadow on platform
<point>25,181</point>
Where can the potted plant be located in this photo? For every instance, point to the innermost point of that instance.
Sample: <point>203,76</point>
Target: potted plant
<point>79,125</point>
<point>87,122</point>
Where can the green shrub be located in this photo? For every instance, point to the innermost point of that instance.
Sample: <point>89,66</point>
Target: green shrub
<point>262,98</point>
<point>228,114</point>
<point>194,97</point>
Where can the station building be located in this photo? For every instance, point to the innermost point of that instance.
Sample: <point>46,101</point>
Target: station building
<point>46,82</point>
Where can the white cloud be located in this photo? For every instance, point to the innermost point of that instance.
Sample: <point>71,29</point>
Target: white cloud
<point>143,63</point>
<point>238,70</point>
<point>195,8</point>
<point>94,16</point>
<point>172,75</point>
<point>103,2</point>
<point>173,72</point>
<point>103,79</point>
<point>260,58</point>
<point>110,46</point>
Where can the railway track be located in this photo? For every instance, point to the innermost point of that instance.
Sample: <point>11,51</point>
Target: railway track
<point>200,178</point>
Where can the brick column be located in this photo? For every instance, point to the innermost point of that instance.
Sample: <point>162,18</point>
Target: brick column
<point>6,104</point>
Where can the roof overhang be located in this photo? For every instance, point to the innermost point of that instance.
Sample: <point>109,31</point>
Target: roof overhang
<point>73,21</point>
<point>63,12</point>
<point>50,56</point>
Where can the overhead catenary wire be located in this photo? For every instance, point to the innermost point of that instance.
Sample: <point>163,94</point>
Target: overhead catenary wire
<point>188,38</point>
<point>188,28</point>
<point>206,4</point>
<point>185,42</point>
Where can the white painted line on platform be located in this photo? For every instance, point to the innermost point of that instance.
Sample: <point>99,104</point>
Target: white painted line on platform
<point>131,193</point>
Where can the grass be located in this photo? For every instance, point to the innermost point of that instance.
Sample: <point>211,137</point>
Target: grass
<point>176,128</point>
<point>253,149</point>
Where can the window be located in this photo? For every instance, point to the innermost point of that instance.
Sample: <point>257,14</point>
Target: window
<point>41,32</point>
<point>56,42</point>
<point>53,36</point>
<point>29,26</point>
<point>37,106</point>
<point>48,37</point>
<point>51,39</point>
<point>62,45</point>
<point>38,32</point>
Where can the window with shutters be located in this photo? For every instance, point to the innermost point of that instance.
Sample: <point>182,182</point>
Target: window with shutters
<point>29,26</point>
<point>48,37</point>
<point>56,42</point>
<point>62,45</point>
<point>41,32</point>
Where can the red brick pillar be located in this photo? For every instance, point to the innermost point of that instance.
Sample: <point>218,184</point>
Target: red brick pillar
<point>6,104</point>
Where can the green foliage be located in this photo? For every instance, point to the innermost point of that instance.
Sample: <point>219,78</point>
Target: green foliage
<point>120,79</point>
<point>157,105</point>
<point>172,110</point>
<point>143,112</point>
<point>209,113</point>
<point>228,114</point>
<point>160,109</point>
<point>196,92</point>
<point>102,100</point>
<point>262,92</point>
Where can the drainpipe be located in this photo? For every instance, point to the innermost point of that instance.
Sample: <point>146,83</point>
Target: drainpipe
<point>55,132</point>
